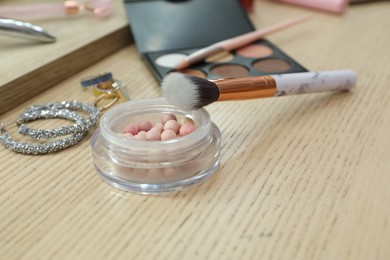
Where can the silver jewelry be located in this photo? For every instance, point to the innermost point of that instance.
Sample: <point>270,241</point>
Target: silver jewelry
<point>50,133</point>
<point>51,110</point>
<point>44,148</point>
<point>61,110</point>
<point>73,105</point>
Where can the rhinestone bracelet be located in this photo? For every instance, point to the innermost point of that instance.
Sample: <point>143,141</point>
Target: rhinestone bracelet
<point>73,105</point>
<point>57,109</point>
<point>51,110</point>
<point>50,133</point>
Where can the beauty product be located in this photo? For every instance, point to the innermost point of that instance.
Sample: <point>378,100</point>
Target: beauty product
<point>190,92</point>
<point>100,8</point>
<point>154,166</point>
<point>334,6</point>
<point>235,43</point>
<point>165,32</point>
<point>362,1</point>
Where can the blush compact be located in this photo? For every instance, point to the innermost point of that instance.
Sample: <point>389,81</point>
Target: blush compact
<point>154,167</point>
<point>165,32</point>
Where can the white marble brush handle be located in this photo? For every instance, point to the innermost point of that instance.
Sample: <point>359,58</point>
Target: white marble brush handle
<point>312,82</point>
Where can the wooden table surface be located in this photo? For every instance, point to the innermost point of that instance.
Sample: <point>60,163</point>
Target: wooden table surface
<point>302,177</point>
<point>28,68</point>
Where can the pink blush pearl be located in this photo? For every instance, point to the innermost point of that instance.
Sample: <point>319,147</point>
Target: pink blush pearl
<point>153,135</point>
<point>159,126</point>
<point>168,134</point>
<point>141,136</point>
<point>166,117</point>
<point>156,129</point>
<point>186,129</point>
<point>131,129</point>
<point>144,125</point>
<point>172,124</point>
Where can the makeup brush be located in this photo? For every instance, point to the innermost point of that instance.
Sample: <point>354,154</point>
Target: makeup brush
<point>189,92</point>
<point>235,42</point>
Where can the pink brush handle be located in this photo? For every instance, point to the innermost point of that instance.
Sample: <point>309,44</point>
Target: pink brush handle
<point>236,42</point>
<point>242,40</point>
<point>335,6</point>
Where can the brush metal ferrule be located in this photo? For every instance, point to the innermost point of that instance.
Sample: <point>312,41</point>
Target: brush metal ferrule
<point>246,88</point>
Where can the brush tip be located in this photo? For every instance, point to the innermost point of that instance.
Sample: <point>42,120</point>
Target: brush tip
<point>188,92</point>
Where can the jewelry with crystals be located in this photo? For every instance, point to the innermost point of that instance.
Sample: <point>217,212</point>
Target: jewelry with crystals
<point>65,110</point>
<point>50,133</point>
<point>49,147</point>
<point>73,105</point>
<point>103,87</point>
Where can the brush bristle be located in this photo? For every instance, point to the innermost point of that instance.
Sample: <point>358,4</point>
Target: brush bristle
<point>189,92</point>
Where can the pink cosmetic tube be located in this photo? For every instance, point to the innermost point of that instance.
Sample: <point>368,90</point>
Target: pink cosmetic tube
<point>101,9</point>
<point>32,11</point>
<point>334,6</point>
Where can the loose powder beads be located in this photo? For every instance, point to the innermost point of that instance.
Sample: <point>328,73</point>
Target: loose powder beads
<point>186,149</point>
<point>168,128</point>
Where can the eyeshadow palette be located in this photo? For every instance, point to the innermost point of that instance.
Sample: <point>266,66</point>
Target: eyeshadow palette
<point>167,31</point>
<point>259,58</point>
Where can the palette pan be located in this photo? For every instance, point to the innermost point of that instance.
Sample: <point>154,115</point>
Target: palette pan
<point>259,58</point>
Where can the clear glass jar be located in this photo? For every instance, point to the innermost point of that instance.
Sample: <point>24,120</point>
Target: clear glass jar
<point>154,166</point>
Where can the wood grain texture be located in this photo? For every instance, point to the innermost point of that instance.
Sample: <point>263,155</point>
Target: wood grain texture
<point>302,177</point>
<point>29,68</point>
